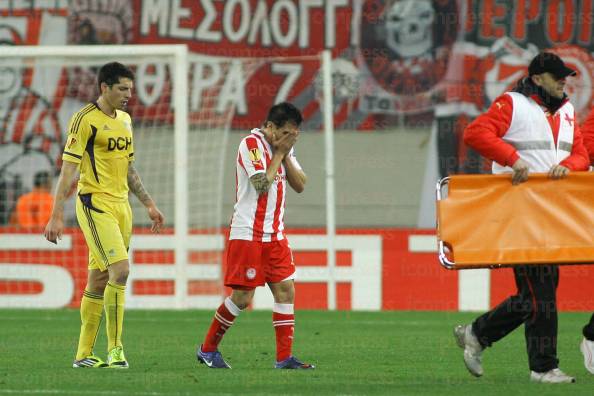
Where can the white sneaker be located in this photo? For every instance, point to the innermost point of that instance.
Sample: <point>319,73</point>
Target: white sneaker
<point>587,348</point>
<point>473,350</point>
<point>554,376</point>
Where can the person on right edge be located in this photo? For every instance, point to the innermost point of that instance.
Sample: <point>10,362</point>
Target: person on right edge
<point>587,344</point>
<point>530,129</point>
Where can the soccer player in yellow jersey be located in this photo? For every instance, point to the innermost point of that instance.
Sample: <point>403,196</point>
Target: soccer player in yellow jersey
<point>100,145</point>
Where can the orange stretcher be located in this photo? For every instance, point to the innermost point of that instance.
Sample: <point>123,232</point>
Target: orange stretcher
<point>483,221</point>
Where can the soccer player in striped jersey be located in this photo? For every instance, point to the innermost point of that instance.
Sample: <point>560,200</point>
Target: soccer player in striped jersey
<point>100,145</point>
<point>258,251</point>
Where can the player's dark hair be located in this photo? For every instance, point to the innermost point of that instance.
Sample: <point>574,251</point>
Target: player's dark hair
<point>284,112</point>
<point>41,179</point>
<point>110,74</point>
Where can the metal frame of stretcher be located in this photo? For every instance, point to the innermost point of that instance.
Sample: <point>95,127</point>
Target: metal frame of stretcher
<point>442,254</point>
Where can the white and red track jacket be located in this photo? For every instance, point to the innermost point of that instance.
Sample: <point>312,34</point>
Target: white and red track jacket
<point>258,217</point>
<point>517,126</point>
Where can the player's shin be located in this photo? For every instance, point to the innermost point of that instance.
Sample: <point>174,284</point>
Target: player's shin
<point>114,297</point>
<point>283,320</point>
<point>91,311</point>
<point>223,319</point>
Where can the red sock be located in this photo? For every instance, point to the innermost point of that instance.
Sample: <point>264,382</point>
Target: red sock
<point>223,319</point>
<point>284,327</point>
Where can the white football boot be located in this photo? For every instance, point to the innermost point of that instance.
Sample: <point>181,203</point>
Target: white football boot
<point>554,376</point>
<point>587,348</point>
<point>473,350</point>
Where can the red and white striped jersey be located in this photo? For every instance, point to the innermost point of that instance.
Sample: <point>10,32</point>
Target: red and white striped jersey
<point>258,217</point>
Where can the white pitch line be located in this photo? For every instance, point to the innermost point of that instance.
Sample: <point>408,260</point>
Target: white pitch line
<point>109,393</point>
<point>155,320</point>
<point>74,392</point>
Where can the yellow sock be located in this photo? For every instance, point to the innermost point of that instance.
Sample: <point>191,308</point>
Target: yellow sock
<point>91,310</point>
<point>114,297</point>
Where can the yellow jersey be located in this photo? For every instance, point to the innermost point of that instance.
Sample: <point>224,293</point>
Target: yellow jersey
<point>103,147</point>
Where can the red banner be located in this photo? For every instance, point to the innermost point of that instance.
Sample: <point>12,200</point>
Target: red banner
<point>391,269</point>
<point>391,57</point>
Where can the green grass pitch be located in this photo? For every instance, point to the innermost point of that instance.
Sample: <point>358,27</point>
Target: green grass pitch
<point>356,353</point>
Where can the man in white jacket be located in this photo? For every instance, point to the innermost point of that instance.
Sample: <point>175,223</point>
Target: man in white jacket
<point>531,129</point>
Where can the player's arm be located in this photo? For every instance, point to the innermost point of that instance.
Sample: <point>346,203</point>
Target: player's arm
<point>263,180</point>
<point>135,185</point>
<point>55,226</point>
<point>295,175</point>
<point>79,131</point>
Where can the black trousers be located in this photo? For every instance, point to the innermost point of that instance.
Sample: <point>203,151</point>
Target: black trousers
<point>534,305</point>
<point>589,329</point>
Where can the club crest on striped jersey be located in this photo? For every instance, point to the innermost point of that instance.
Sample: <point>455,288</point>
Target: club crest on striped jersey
<point>255,155</point>
<point>250,273</point>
